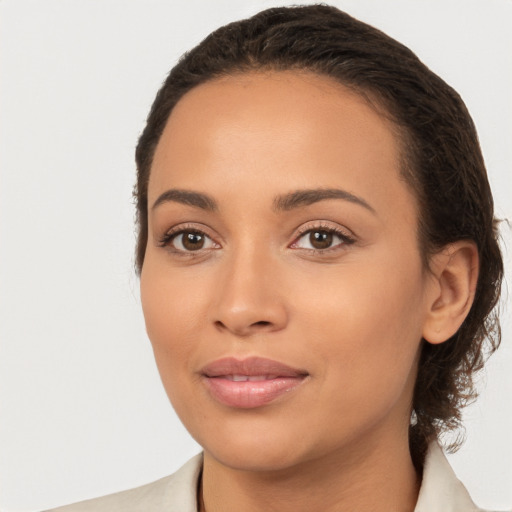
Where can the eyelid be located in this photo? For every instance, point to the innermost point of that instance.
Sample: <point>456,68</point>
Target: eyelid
<point>345,234</point>
<point>165,239</point>
<point>325,225</point>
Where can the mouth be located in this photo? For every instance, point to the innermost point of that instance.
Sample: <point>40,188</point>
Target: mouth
<point>251,382</point>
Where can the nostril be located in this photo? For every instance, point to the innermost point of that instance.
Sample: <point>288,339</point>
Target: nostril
<point>243,329</point>
<point>262,323</point>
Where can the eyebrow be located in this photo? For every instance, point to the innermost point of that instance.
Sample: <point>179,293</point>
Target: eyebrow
<point>285,202</point>
<point>307,197</point>
<point>187,197</point>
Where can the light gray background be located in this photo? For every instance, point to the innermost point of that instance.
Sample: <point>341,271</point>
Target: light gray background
<point>82,410</point>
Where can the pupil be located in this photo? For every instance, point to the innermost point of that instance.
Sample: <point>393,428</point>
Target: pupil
<point>193,241</point>
<point>320,239</point>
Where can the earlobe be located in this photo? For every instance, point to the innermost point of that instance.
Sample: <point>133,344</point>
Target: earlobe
<point>455,275</point>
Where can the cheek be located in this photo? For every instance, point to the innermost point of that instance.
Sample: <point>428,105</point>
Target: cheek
<point>173,314</point>
<point>366,328</point>
<point>170,299</point>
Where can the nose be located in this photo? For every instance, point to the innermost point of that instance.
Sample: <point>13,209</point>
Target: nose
<point>250,298</point>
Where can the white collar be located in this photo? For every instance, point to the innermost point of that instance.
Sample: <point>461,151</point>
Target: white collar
<point>441,490</point>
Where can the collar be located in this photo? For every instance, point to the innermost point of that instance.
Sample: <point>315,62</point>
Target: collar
<point>441,491</point>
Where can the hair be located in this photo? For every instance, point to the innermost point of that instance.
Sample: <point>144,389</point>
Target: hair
<point>442,163</point>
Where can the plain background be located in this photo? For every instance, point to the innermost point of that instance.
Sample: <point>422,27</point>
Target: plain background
<point>82,410</point>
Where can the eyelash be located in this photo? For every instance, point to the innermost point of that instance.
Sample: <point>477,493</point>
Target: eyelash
<point>167,239</point>
<point>345,238</point>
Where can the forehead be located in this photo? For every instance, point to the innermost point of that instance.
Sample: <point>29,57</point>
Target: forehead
<point>288,129</point>
<point>302,102</point>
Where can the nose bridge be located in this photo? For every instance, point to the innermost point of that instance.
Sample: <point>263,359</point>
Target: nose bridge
<point>248,299</point>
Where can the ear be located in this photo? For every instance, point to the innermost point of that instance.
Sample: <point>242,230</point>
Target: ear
<point>455,274</point>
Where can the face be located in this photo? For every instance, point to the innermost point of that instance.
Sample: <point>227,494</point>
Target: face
<point>282,287</point>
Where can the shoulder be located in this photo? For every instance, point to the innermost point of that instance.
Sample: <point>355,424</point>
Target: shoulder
<point>171,493</point>
<point>441,490</point>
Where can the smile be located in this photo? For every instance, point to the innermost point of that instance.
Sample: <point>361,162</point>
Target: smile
<point>251,378</point>
<point>251,382</point>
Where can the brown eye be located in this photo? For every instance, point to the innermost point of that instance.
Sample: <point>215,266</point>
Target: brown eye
<point>190,241</point>
<point>320,239</point>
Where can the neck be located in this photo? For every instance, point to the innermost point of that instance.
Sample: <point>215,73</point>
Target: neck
<point>363,478</point>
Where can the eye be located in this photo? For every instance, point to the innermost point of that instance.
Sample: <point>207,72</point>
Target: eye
<point>188,240</point>
<point>321,239</point>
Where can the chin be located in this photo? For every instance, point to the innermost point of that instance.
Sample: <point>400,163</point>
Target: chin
<point>250,443</point>
<point>267,457</point>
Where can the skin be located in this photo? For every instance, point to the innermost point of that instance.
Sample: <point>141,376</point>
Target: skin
<point>351,315</point>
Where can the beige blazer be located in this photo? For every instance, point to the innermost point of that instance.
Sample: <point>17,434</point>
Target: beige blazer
<point>440,491</point>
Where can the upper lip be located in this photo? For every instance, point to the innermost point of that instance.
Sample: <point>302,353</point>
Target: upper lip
<point>251,366</point>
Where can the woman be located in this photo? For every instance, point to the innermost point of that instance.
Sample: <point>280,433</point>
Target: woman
<point>319,267</point>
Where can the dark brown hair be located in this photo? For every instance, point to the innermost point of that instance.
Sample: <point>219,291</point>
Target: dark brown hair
<point>442,162</point>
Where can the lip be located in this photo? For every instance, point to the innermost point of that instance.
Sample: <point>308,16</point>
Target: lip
<point>251,382</point>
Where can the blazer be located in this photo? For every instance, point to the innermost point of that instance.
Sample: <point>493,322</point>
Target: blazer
<point>440,491</point>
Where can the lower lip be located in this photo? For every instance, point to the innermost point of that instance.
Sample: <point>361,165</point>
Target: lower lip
<point>250,394</point>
